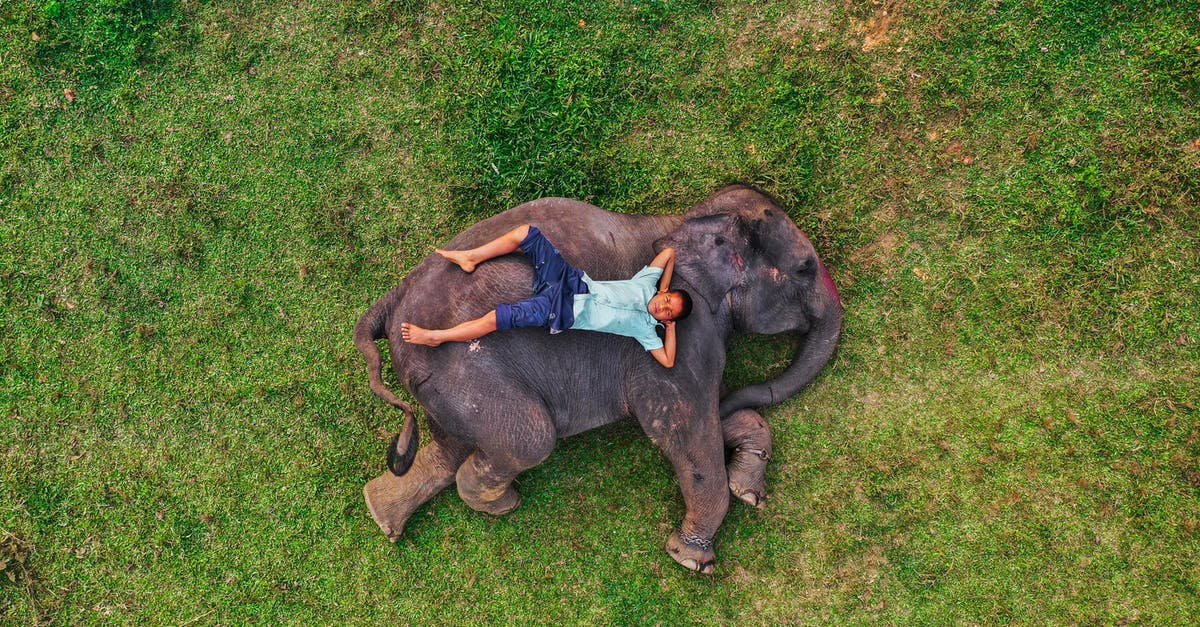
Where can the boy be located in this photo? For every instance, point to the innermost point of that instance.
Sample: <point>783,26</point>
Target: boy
<point>566,298</point>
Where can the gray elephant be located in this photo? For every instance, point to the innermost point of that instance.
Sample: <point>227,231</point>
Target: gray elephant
<point>497,406</point>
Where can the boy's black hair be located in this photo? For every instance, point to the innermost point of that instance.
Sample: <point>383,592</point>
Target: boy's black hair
<point>685,304</point>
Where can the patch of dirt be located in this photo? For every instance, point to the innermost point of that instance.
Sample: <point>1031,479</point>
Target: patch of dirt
<point>878,30</point>
<point>886,215</point>
<point>14,553</point>
<point>813,20</point>
<point>742,51</point>
<point>751,32</point>
<point>882,255</point>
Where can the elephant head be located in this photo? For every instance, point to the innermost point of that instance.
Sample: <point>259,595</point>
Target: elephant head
<point>749,262</point>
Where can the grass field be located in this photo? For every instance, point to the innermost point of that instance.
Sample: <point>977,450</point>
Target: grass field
<point>198,199</point>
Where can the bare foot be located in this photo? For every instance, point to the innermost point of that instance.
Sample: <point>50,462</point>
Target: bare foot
<point>414,334</point>
<point>460,258</point>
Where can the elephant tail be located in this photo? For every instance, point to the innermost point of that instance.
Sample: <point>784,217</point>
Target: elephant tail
<point>371,328</point>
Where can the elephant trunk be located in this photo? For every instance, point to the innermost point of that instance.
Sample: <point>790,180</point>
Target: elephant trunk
<point>816,348</point>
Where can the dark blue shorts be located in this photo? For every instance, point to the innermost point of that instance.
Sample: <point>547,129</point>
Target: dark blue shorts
<point>555,284</point>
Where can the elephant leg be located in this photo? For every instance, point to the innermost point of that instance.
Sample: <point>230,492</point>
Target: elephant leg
<point>485,479</point>
<point>697,455</point>
<point>392,500</point>
<point>748,438</point>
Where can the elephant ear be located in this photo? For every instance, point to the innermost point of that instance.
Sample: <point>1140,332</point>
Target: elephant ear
<point>707,256</point>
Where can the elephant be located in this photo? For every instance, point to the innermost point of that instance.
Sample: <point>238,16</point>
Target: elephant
<point>496,406</point>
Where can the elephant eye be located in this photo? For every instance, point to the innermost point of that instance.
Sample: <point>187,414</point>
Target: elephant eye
<point>719,240</point>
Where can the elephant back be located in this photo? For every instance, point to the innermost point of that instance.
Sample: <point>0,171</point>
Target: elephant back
<point>606,245</point>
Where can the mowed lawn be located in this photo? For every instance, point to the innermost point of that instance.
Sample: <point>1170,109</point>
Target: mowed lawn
<point>198,200</point>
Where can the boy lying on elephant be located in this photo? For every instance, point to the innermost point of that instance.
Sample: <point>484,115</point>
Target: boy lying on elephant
<point>567,298</point>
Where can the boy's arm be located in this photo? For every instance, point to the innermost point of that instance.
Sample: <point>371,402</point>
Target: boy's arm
<point>666,354</point>
<point>666,261</point>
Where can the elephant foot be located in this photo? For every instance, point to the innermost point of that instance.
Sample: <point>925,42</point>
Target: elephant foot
<point>747,476</point>
<point>390,503</point>
<point>486,488</point>
<point>692,552</point>
<point>507,501</point>
<point>749,437</point>
<point>392,500</point>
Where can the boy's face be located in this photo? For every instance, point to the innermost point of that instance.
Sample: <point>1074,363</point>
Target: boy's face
<point>665,306</point>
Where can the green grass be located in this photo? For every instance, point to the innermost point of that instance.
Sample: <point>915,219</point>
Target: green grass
<point>198,199</point>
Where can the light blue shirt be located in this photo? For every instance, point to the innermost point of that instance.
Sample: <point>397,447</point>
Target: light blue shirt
<point>619,307</point>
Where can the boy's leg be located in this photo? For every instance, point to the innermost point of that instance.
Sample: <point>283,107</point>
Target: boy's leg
<point>468,259</point>
<point>465,332</point>
<point>531,312</point>
<point>549,266</point>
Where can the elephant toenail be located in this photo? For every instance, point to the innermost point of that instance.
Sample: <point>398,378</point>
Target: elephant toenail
<point>690,564</point>
<point>709,567</point>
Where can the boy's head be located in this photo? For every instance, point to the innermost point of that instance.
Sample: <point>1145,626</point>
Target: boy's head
<point>670,305</point>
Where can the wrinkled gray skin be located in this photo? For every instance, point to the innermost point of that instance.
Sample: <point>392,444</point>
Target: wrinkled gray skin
<point>498,405</point>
